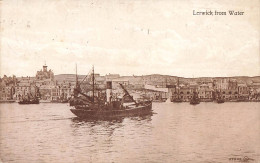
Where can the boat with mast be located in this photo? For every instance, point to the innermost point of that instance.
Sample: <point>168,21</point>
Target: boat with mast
<point>219,98</point>
<point>101,106</point>
<point>29,98</point>
<point>177,99</point>
<point>195,98</point>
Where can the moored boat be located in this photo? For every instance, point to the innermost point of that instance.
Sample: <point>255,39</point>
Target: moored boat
<point>177,99</point>
<point>29,98</point>
<point>29,101</point>
<point>219,98</point>
<point>195,99</point>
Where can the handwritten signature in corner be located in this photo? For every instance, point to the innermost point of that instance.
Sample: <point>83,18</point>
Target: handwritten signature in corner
<point>245,159</point>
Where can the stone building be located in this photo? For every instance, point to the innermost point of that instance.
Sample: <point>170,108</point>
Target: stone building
<point>205,92</point>
<point>243,91</point>
<point>45,74</point>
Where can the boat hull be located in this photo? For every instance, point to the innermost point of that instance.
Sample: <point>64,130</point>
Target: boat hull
<point>25,103</point>
<point>220,101</point>
<point>194,103</point>
<point>112,113</point>
<point>29,102</point>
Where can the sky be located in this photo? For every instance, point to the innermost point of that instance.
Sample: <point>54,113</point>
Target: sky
<point>130,37</point>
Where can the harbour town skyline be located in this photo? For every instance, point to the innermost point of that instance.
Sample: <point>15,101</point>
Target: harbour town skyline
<point>57,88</point>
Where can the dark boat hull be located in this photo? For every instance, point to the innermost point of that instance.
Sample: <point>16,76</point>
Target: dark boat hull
<point>194,103</point>
<point>220,101</point>
<point>29,102</point>
<point>110,113</point>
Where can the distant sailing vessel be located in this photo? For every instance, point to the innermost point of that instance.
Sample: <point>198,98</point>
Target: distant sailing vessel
<point>30,99</point>
<point>219,98</point>
<point>195,99</point>
<point>177,99</point>
<point>88,107</point>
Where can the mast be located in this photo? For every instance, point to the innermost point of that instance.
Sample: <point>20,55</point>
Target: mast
<point>76,77</point>
<point>178,88</point>
<point>93,84</point>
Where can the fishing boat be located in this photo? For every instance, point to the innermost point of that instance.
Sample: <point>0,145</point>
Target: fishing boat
<point>177,99</point>
<point>98,107</point>
<point>195,99</point>
<point>219,98</point>
<point>29,98</point>
<point>29,101</point>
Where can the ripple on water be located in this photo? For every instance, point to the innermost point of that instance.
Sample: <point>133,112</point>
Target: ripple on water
<point>175,133</point>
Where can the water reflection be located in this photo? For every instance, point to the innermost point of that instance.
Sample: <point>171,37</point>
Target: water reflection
<point>108,122</point>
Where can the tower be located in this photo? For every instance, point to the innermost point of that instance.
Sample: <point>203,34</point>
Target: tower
<point>45,68</point>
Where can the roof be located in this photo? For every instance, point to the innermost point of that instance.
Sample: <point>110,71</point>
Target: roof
<point>120,80</point>
<point>242,85</point>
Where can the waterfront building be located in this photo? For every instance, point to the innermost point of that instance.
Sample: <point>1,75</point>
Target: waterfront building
<point>116,82</point>
<point>221,84</point>
<point>6,92</point>
<point>184,93</point>
<point>7,87</point>
<point>22,91</point>
<point>230,94</point>
<point>66,91</point>
<point>232,84</point>
<point>55,93</point>
<point>243,91</point>
<point>45,92</point>
<point>110,77</point>
<point>205,92</point>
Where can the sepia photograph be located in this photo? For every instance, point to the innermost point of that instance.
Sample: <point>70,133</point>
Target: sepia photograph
<point>129,81</point>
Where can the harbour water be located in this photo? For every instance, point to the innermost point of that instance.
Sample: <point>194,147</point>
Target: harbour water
<point>176,132</point>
